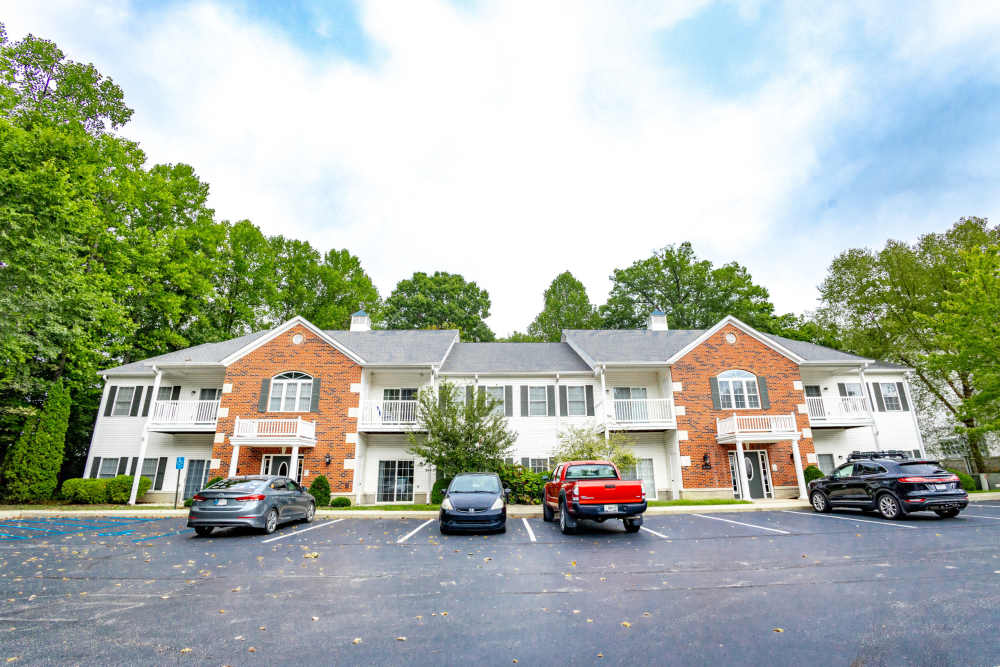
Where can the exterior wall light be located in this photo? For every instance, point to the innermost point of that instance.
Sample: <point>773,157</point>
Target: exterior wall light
<point>326,459</point>
<point>706,462</point>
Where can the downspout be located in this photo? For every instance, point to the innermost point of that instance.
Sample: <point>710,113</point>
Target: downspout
<point>913,413</point>
<point>604,400</point>
<point>864,387</point>
<point>144,438</point>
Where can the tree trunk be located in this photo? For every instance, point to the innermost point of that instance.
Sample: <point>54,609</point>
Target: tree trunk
<point>975,440</point>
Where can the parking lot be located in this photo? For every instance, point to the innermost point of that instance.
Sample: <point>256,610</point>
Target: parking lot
<point>786,587</point>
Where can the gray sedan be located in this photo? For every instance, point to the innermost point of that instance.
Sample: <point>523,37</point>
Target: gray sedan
<point>259,501</point>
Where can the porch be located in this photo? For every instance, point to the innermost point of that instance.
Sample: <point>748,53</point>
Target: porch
<point>839,411</point>
<point>184,416</point>
<point>291,434</point>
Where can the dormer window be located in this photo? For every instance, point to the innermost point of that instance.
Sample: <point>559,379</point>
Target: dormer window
<point>290,392</point>
<point>738,391</point>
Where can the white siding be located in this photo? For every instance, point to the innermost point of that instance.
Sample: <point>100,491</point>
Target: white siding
<point>392,447</point>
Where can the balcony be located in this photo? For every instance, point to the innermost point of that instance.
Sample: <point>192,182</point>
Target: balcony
<point>388,416</point>
<point>274,432</point>
<point>183,416</point>
<point>757,428</point>
<point>642,413</point>
<point>842,411</point>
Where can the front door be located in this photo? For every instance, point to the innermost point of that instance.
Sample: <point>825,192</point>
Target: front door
<point>642,470</point>
<point>756,472</point>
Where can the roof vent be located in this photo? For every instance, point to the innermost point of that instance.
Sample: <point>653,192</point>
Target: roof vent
<point>657,321</point>
<point>360,321</point>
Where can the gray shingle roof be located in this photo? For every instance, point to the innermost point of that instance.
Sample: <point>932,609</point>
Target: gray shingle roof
<point>404,346</point>
<point>513,358</point>
<point>813,352</point>
<point>606,346</point>
<point>199,354</point>
<point>887,366</point>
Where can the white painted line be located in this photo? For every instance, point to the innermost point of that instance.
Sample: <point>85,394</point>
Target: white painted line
<point>654,532</point>
<point>306,530</point>
<point>414,531</point>
<point>848,518</point>
<point>740,523</point>
<point>982,516</point>
<point>531,533</point>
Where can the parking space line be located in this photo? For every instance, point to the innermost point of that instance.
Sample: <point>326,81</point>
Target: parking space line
<point>306,530</point>
<point>740,523</point>
<point>848,518</point>
<point>414,531</point>
<point>982,516</point>
<point>654,532</point>
<point>531,533</point>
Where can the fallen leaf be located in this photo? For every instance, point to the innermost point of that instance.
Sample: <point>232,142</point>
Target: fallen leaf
<point>590,620</point>
<point>357,640</point>
<point>444,613</point>
<point>311,554</point>
<point>572,563</point>
<point>251,650</point>
<point>600,655</point>
<point>576,611</point>
<point>238,638</point>
<point>779,629</point>
<point>222,611</point>
<point>315,618</point>
<point>237,589</point>
<point>185,650</point>
<point>263,627</point>
<point>400,639</point>
<point>626,624</point>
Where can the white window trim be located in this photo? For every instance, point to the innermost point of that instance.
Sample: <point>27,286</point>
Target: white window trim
<point>545,392</point>
<point>378,482</point>
<point>501,409</point>
<point>128,403</point>
<point>582,400</point>
<point>116,459</point>
<point>885,401</point>
<point>276,381</point>
<point>732,396</point>
<point>268,459</point>
<point>415,390</point>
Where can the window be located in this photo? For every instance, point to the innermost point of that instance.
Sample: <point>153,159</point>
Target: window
<point>394,410</point>
<point>497,394</point>
<point>538,402</point>
<point>591,471</point>
<point>538,465</point>
<point>213,394</point>
<point>642,469</point>
<point>109,468</point>
<point>738,391</point>
<point>400,394</point>
<point>825,463</point>
<point>194,480</point>
<point>630,404</point>
<point>395,481</point>
<point>149,470</point>
<point>890,396</point>
<point>123,401</point>
<point>164,393</point>
<point>576,401</point>
<point>852,389</point>
<point>846,470</point>
<point>277,464</point>
<point>291,392</point>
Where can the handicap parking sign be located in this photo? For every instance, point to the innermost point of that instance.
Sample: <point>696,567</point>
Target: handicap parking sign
<point>180,462</point>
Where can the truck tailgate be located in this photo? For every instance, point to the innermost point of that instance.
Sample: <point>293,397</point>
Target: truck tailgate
<point>609,491</point>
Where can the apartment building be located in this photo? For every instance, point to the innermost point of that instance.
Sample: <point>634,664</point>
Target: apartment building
<point>723,412</point>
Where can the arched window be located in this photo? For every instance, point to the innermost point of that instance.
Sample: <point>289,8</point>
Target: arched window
<point>738,391</point>
<point>290,392</point>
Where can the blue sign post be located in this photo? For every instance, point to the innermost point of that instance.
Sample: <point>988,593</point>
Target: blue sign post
<point>180,463</point>
<point>177,489</point>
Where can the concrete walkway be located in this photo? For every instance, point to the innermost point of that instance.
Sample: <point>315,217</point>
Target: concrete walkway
<point>513,511</point>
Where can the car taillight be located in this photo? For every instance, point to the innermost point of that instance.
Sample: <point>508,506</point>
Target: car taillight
<point>929,480</point>
<point>256,496</point>
<point>576,492</point>
<point>198,498</point>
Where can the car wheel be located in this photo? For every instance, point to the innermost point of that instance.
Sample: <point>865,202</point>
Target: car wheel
<point>632,526</point>
<point>503,529</point>
<point>310,512</point>
<point>271,521</point>
<point>444,531</point>
<point>547,513</point>
<point>203,531</point>
<point>820,502</point>
<point>566,523</point>
<point>947,514</point>
<point>888,506</point>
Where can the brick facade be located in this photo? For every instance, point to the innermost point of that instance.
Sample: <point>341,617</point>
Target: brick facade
<point>712,357</point>
<point>313,356</point>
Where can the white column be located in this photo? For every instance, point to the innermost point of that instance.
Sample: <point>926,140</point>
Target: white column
<point>800,477</point>
<point>144,439</point>
<point>293,465</point>
<point>357,479</point>
<point>741,468</point>
<point>676,455</point>
<point>232,461</point>
<point>867,394</point>
<point>608,404</point>
<point>913,413</point>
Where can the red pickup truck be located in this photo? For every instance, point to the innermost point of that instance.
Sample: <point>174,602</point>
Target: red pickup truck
<point>592,490</point>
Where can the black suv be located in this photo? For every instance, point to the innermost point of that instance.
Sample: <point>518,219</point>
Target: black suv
<point>891,484</point>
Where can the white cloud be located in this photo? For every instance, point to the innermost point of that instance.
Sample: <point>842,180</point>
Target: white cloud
<point>508,143</point>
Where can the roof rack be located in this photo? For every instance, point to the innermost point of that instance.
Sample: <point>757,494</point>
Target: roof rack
<point>886,454</point>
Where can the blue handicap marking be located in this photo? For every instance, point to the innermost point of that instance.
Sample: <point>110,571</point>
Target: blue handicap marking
<point>128,531</point>
<point>180,462</point>
<point>50,527</point>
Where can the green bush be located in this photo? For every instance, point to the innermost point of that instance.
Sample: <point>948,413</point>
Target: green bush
<point>812,472</point>
<point>437,491</point>
<point>188,502</point>
<point>526,487</point>
<point>31,465</point>
<point>85,491</point>
<point>213,481</point>
<point>71,488</point>
<point>340,501</point>
<point>119,489</point>
<point>967,482</point>
<point>320,490</point>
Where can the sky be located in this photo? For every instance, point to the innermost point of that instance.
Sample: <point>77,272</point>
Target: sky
<point>510,141</point>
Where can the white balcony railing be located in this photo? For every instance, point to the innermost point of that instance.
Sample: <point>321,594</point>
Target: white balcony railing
<point>643,410</point>
<point>388,413</point>
<point>756,424</point>
<point>274,429</point>
<point>185,413</point>
<point>839,408</point>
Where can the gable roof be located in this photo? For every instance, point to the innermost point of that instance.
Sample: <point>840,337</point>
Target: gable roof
<point>815,353</point>
<point>403,347</point>
<point>513,358</point>
<point>206,353</point>
<point>629,346</point>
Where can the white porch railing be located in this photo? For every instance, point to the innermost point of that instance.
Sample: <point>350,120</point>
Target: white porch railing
<point>839,407</point>
<point>388,413</point>
<point>756,424</point>
<point>263,429</point>
<point>643,410</point>
<point>183,413</point>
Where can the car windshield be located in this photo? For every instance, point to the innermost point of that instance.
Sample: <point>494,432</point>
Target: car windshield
<point>237,484</point>
<point>475,484</point>
<point>591,471</point>
<point>922,469</point>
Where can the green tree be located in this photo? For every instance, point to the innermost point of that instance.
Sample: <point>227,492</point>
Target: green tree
<point>441,301</point>
<point>520,337</point>
<point>462,435</point>
<point>567,306</point>
<point>583,443</point>
<point>31,467</point>
<point>692,292</point>
<point>883,305</point>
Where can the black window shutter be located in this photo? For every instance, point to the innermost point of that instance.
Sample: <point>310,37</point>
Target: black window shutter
<point>550,394</point>
<point>524,401</point>
<point>526,462</point>
<point>842,389</point>
<point>122,465</point>
<point>713,384</point>
<point>136,399</point>
<point>468,393</point>
<point>265,387</point>
<point>95,467</point>
<point>902,397</point>
<point>878,396</point>
<point>175,393</point>
<point>508,401</point>
<point>111,401</point>
<point>145,404</point>
<point>590,400</point>
<point>563,402</point>
<point>314,402</point>
<point>765,399</point>
<point>161,469</point>
<point>135,460</point>
<point>868,391</point>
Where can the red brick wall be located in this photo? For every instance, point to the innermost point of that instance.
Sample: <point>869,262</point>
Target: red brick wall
<point>709,359</point>
<point>317,358</point>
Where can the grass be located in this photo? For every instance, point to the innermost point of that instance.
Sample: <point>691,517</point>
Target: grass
<point>62,507</point>
<point>696,501</point>
<point>389,508</point>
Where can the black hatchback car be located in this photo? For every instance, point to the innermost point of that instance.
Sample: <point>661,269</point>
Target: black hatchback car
<point>890,486</point>
<point>474,501</point>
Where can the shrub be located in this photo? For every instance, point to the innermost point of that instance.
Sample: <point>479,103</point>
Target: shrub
<point>812,472</point>
<point>71,488</point>
<point>31,466</point>
<point>340,501</point>
<point>320,490</point>
<point>119,489</point>
<point>213,481</point>
<point>967,481</point>
<point>437,491</point>
<point>85,491</point>
<point>526,487</point>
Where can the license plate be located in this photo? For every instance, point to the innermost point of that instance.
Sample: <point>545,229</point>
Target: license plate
<point>940,487</point>
<point>220,501</point>
<point>611,508</point>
